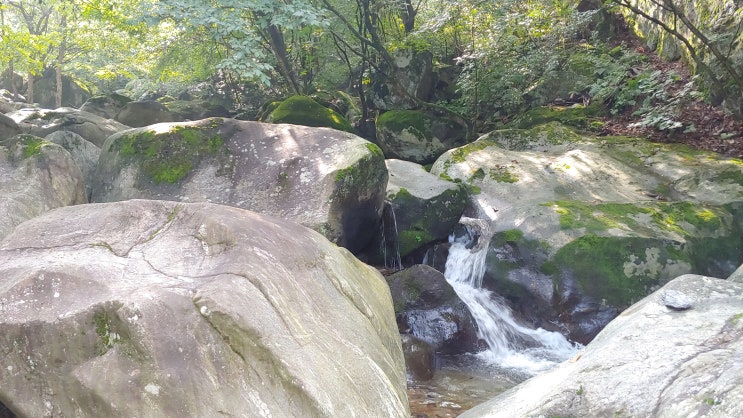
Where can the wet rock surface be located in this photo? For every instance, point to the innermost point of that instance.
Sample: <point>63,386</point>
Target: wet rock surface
<point>428,308</point>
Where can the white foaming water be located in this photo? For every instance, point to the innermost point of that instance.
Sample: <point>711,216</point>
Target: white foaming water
<point>511,345</point>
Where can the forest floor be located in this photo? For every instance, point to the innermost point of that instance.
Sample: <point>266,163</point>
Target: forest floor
<point>714,129</point>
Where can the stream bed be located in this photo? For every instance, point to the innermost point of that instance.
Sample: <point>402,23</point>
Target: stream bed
<point>460,383</point>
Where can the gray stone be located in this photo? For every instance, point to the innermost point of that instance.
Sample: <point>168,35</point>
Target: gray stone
<point>678,301</point>
<point>330,181</point>
<point>650,361</point>
<point>8,127</point>
<point>413,135</point>
<point>427,207</point>
<point>414,74</point>
<point>144,113</point>
<point>105,106</point>
<point>737,275</point>
<point>84,153</point>
<point>158,308</point>
<point>45,90</point>
<point>35,176</point>
<point>604,220</point>
<point>42,122</point>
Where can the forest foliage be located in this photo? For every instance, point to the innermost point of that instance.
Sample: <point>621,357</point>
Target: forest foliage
<point>500,52</point>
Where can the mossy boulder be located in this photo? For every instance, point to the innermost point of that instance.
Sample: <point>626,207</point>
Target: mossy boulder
<point>302,110</point>
<point>331,181</point>
<point>426,207</point>
<point>596,223</point>
<point>37,176</point>
<point>577,116</point>
<point>416,136</point>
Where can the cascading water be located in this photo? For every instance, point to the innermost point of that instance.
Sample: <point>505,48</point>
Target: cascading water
<point>511,345</point>
<point>389,246</point>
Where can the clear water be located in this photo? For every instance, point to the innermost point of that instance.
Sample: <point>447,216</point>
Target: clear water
<point>511,345</point>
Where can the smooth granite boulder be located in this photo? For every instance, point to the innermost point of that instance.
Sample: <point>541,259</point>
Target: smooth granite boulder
<point>163,309</point>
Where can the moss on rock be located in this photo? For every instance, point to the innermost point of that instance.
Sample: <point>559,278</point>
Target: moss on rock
<point>683,218</point>
<point>169,157</point>
<point>577,116</point>
<point>302,110</point>
<point>411,121</point>
<point>25,145</point>
<point>620,270</point>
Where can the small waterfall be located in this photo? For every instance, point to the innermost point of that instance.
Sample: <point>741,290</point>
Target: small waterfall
<point>389,247</point>
<point>510,344</point>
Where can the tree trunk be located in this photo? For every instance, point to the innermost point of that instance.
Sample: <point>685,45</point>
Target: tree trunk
<point>408,16</point>
<point>276,40</point>
<point>11,76</point>
<point>60,61</point>
<point>30,89</point>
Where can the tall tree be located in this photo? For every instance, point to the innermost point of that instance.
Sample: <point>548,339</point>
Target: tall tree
<point>694,38</point>
<point>252,33</point>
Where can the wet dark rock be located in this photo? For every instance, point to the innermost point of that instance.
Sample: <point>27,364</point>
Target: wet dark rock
<point>420,360</point>
<point>427,307</point>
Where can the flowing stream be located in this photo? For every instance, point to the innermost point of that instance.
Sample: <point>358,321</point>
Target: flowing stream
<point>511,345</point>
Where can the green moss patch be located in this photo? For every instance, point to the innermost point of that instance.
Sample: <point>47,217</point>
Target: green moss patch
<point>302,110</point>
<point>412,239</point>
<point>169,157</point>
<point>412,121</point>
<point>580,117</point>
<point>25,145</point>
<point>32,145</point>
<point>617,270</point>
<point>678,217</point>
<point>503,174</point>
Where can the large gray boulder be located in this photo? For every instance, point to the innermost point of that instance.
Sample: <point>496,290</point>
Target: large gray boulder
<point>586,226</point>
<point>652,361</point>
<point>330,181</point>
<point>35,176</point>
<point>155,309</point>
<point>8,127</point>
<point>416,136</point>
<point>737,275</point>
<point>45,90</point>
<point>414,77</point>
<point>143,113</point>
<point>83,152</point>
<point>42,122</point>
<point>10,102</point>
<point>426,207</point>
<point>106,106</point>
